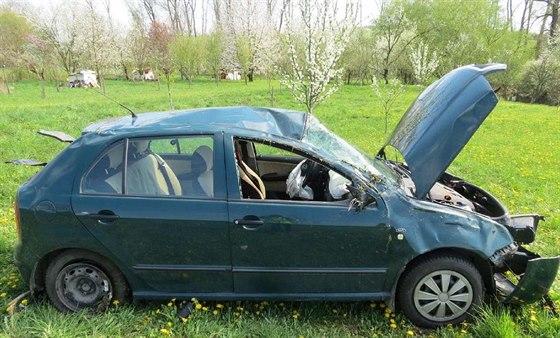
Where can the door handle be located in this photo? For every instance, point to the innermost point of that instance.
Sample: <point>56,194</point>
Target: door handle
<point>249,222</point>
<point>104,216</point>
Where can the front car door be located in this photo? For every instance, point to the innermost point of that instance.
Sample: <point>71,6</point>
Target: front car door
<point>168,221</point>
<point>300,248</point>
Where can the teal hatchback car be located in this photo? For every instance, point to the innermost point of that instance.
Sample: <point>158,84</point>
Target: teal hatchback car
<point>259,203</point>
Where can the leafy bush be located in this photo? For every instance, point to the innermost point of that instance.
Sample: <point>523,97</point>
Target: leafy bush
<point>541,81</point>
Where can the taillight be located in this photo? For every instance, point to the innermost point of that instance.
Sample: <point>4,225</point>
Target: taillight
<point>16,212</point>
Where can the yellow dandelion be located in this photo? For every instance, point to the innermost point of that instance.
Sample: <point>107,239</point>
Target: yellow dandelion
<point>170,324</point>
<point>220,306</point>
<point>463,331</point>
<point>334,311</point>
<point>205,308</point>
<point>116,302</point>
<point>382,305</point>
<point>165,332</point>
<point>410,333</point>
<point>198,306</point>
<point>387,314</point>
<point>170,304</point>
<point>372,305</point>
<point>3,294</point>
<point>24,302</point>
<point>184,319</point>
<point>300,336</point>
<point>215,312</point>
<point>295,316</point>
<point>533,318</point>
<point>393,326</point>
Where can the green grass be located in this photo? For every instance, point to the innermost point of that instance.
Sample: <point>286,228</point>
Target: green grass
<point>514,155</point>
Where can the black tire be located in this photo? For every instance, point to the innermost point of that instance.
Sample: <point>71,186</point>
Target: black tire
<point>77,280</point>
<point>459,290</point>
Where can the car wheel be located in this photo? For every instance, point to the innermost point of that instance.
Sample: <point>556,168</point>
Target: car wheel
<point>440,290</point>
<point>78,280</point>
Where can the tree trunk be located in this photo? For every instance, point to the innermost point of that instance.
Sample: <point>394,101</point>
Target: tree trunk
<point>167,76</point>
<point>386,75</point>
<point>555,4</point>
<point>42,81</point>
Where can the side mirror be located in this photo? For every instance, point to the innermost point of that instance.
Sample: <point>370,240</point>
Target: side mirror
<point>361,197</point>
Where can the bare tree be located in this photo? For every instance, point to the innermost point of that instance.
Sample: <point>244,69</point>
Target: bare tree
<point>160,37</point>
<point>138,44</point>
<point>37,58</point>
<point>315,48</point>
<point>387,96</point>
<point>173,9</point>
<point>150,9</point>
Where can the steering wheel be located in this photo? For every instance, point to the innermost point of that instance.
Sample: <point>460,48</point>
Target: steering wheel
<point>316,177</point>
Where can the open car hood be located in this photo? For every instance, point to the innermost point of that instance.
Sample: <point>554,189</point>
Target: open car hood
<point>441,121</point>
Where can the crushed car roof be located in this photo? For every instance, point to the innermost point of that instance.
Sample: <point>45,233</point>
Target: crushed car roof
<point>278,122</point>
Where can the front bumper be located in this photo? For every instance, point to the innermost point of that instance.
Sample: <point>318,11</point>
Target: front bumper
<point>536,278</point>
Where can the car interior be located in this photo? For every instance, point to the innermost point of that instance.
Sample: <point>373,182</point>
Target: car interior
<point>184,167</point>
<point>269,172</point>
<point>154,172</point>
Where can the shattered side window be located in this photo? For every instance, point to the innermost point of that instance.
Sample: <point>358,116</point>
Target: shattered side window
<point>331,145</point>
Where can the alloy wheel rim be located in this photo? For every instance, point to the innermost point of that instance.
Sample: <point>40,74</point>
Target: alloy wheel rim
<point>82,285</point>
<point>443,295</point>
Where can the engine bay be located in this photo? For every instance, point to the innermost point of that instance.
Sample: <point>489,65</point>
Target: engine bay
<point>454,191</point>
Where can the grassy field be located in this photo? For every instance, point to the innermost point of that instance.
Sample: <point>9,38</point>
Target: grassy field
<point>515,155</point>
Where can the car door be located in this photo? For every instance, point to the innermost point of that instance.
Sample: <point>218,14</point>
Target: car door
<point>172,238</point>
<point>304,247</point>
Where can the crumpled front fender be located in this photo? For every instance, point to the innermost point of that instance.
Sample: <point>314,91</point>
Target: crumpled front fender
<point>539,275</point>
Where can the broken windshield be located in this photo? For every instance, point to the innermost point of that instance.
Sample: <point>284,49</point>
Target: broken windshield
<point>330,145</point>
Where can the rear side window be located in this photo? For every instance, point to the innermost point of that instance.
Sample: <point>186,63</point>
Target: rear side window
<point>105,176</point>
<point>158,166</point>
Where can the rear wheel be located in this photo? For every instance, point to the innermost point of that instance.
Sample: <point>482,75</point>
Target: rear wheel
<point>78,280</point>
<point>440,290</point>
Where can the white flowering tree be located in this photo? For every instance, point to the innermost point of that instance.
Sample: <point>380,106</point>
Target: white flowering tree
<point>248,39</point>
<point>423,63</point>
<point>314,47</point>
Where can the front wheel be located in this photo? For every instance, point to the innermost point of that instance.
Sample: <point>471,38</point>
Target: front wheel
<point>440,290</point>
<point>78,280</point>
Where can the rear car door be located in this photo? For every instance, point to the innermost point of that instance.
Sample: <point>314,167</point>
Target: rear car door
<point>167,219</point>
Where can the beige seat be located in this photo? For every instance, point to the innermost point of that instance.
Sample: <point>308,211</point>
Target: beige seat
<point>149,174</point>
<point>251,184</point>
<point>203,167</point>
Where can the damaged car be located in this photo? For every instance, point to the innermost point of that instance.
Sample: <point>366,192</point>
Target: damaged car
<point>245,203</point>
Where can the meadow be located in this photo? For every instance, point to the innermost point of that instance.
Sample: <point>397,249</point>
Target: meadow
<point>514,155</point>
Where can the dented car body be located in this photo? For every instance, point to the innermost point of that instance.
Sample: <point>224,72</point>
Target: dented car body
<point>256,203</point>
